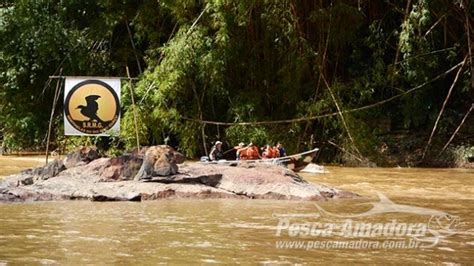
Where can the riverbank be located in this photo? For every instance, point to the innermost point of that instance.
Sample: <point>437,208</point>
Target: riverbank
<point>403,149</point>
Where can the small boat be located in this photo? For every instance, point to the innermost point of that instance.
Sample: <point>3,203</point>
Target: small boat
<point>295,162</point>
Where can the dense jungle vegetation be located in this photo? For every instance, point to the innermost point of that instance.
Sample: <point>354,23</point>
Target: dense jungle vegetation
<point>409,62</point>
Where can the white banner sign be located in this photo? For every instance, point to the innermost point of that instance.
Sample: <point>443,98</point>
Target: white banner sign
<point>92,106</point>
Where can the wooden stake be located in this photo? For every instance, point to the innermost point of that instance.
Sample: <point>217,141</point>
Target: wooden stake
<point>55,100</point>
<point>134,110</point>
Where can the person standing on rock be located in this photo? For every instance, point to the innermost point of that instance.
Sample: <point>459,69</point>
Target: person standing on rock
<point>216,152</point>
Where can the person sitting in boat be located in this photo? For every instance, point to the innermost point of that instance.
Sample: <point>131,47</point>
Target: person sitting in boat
<point>238,148</point>
<point>216,152</point>
<point>249,153</point>
<point>269,152</point>
<point>281,150</point>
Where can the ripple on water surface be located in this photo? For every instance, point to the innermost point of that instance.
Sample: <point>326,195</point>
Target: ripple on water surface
<point>230,231</point>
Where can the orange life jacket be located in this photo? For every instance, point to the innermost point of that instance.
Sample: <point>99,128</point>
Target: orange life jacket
<point>276,152</point>
<point>249,153</point>
<point>271,153</point>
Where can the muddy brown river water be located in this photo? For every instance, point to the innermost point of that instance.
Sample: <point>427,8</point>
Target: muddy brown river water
<point>254,231</point>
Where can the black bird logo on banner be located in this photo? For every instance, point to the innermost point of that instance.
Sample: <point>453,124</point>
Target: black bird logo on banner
<point>90,110</point>
<point>92,107</point>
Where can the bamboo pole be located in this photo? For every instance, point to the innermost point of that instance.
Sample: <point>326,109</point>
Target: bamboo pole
<point>443,107</point>
<point>405,18</point>
<point>159,60</point>
<point>196,20</point>
<point>468,32</point>
<point>90,77</point>
<point>55,100</point>
<point>456,131</point>
<point>203,130</point>
<point>341,115</point>
<point>133,46</point>
<point>344,150</point>
<point>134,109</point>
<point>321,73</point>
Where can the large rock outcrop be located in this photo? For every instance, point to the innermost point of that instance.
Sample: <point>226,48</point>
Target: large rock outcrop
<point>159,160</point>
<point>152,173</point>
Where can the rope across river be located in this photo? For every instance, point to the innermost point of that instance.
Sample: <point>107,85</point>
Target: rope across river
<point>308,118</point>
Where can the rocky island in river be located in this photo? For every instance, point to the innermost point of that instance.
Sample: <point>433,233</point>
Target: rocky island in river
<point>152,173</point>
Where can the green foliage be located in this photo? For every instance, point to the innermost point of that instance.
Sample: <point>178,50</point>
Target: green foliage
<point>237,61</point>
<point>257,135</point>
<point>38,38</point>
<point>462,154</point>
<point>35,41</point>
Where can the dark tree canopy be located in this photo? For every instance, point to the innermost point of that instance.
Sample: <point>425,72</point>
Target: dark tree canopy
<point>243,61</point>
